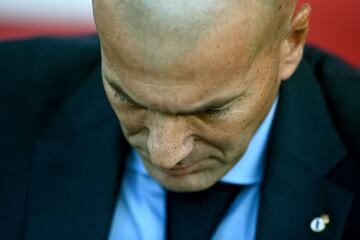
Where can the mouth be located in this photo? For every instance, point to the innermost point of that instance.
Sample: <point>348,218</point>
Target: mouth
<point>180,170</point>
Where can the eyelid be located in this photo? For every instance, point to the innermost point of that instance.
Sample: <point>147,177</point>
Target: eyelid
<point>223,107</point>
<point>123,98</point>
<point>219,112</point>
<point>119,95</point>
<point>222,110</point>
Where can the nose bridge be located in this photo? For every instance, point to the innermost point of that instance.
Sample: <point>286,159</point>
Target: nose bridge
<point>167,126</point>
<point>170,140</point>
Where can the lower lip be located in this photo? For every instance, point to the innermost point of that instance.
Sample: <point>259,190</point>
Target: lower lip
<point>180,171</point>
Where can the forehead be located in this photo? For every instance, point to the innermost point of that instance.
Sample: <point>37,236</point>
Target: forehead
<point>179,94</point>
<point>185,50</point>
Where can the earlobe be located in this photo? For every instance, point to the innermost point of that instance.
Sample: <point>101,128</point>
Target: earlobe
<point>293,45</point>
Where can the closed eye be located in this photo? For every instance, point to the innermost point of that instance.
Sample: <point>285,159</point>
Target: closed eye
<point>218,112</point>
<point>123,98</point>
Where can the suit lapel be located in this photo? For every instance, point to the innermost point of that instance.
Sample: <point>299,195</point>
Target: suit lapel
<point>304,147</point>
<point>76,168</point>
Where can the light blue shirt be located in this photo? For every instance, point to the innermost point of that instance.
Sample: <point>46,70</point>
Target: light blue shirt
<point>140,211</point>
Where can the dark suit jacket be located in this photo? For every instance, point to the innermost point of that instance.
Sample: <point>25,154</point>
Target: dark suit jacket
<point>62,152</point>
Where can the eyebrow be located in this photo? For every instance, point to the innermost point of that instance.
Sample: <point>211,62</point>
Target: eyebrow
<point>211,105</point>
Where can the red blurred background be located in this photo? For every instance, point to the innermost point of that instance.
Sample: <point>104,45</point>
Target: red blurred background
<point>334,24</point>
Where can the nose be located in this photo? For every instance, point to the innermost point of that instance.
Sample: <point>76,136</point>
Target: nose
<point>169,140</point>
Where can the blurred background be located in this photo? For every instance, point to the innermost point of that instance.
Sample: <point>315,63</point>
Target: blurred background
<point>335,24</point>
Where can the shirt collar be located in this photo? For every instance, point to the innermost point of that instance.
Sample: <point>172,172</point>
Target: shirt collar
<point>248,170</point>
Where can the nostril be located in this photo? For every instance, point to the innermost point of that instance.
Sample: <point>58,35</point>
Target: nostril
<point>181,163</point>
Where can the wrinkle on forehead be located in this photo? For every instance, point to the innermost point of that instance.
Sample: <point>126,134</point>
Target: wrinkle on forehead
<point>145,88</point>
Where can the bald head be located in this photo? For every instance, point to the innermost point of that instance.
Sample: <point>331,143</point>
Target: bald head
<point>186,16</point>
<point>162,32</point>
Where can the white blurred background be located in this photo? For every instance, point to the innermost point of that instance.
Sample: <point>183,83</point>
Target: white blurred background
<point>22,18</point>
<point>37,11</point>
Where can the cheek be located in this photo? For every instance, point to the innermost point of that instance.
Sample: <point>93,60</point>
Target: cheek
<point>226,134</point>
<point>132,122</point>
<point>132,119</point>
<point>234,132</point>
<point>129,117</point>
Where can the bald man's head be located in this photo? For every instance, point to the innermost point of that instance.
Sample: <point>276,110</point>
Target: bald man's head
<point>163,31</point>
<point>192,80</point>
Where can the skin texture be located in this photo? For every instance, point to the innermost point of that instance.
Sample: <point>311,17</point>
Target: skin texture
<point>191,81</point>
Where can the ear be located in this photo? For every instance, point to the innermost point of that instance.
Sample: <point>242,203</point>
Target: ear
<point>292,46</point>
